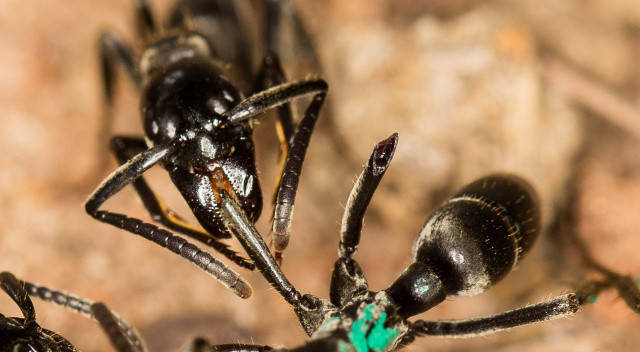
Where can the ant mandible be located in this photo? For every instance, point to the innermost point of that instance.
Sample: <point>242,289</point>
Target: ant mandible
<point>466,246</point>
<point>198,127</point>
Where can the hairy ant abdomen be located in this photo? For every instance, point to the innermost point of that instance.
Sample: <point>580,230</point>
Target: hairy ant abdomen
<point>475,238</point>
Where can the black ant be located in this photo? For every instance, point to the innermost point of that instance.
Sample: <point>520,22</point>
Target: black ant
<point>26,335</point>
<point>198,127</point>
<point>467,245</point>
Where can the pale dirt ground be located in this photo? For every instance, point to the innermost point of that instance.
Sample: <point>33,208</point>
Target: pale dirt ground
<point>472,87</point>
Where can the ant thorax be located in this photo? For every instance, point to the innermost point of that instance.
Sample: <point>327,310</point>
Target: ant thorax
<point>368,322</point>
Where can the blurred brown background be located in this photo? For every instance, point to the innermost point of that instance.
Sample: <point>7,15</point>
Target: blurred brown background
<point>471,86</point>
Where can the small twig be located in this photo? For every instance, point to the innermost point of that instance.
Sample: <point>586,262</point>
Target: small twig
<point>586,92</point>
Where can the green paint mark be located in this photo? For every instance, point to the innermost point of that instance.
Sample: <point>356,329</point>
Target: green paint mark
<point>328,321</point>
<point>367,334</point>
<point>358,334</point>
<point>420,285</point>
<point>592,299</point>
<point>380,337</point>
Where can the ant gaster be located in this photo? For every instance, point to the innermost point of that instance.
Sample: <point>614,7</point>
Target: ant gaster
<point>467,245</point>
<point>198,127</point>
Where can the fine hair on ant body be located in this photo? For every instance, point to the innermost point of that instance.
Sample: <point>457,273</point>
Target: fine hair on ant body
<point>467,245</point>
<point>198,127</point>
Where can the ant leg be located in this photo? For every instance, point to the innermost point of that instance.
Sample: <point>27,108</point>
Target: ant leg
<point>284,14</point>
<point>626,286</point>
<point>82,306</point>
<point>272,97</point>
<point>273,17</point>
<point>229,26</point>
<point>347,278</point>
<point>15,289</point>
<point>552,309</point>
<point>145,22</point>
<point>125,148</point>
<point>126,174</point>
<point>283,211</point>
<point>202,345</point>
<point>309,309</point>
<point>272,74</point>
<point>20,291</point>
<point>558,307</point>
<point>113,52</point>
<point>178,245</point>
<point>110,324</point>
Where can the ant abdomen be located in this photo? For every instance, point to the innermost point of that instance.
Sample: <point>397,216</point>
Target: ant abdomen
<point>475,238</point>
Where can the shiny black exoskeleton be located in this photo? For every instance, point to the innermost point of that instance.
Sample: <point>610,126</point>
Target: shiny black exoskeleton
<point>476,238</point>
<point>467,245</point>
<point>26,335</point>
<point>198,126</point>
